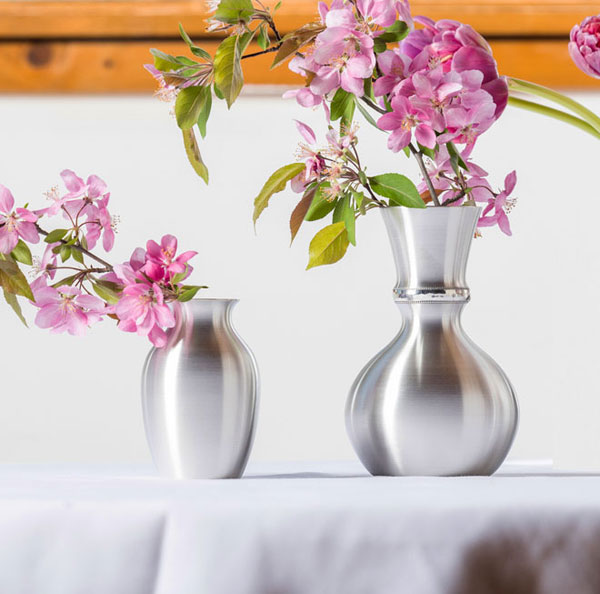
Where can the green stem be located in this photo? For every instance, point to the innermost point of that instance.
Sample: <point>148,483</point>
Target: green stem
<point>419,157</point>
<point>554,113</point>
<point>523,86</point>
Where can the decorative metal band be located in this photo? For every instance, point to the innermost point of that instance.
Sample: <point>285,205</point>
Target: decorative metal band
<point>432,295</point>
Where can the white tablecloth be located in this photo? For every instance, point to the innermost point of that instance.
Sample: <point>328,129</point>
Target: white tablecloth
<point>297,529</point>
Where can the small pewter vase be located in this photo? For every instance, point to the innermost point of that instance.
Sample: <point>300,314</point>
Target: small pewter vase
<point>431,402</point>
<point>200,395</point>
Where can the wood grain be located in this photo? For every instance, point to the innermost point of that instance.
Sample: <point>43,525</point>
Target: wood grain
<point>26,19</point>
<point>111,66</point>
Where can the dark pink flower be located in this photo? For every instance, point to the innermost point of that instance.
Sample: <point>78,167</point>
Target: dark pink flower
<point>584,46</point>
<point>162,261</point>
<point>455,47</point>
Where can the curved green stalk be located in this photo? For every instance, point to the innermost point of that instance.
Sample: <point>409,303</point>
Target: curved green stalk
<point>554,113</point>
<point>523,86</point>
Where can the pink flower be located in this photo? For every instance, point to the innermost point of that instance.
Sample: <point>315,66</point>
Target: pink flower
<point>466,123</point>
<point>394,66</point>
<point>378,12</point>
<point>584,46</point>
<point>142,309</point>
<point>315,164</point>
<point>90,200</point>
<point>401,120</point>
<point>500,205</point>
<point>161,262</point>
<point>15,224</point>
<point>65,309</point>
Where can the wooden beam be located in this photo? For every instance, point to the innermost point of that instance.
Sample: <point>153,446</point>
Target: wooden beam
<point>112,66</point>
<point>44,19</point>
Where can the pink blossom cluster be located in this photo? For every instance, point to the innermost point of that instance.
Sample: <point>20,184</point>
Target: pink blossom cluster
<point>85,206</point>
<point>135,293</point>
<point>438,85</point>
<point>145,280</point>
<point>442,83</point>
<point>343,54</point>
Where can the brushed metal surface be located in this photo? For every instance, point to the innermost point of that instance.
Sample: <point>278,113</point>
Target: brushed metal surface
<point>200,395</point>
<point>431,402</point>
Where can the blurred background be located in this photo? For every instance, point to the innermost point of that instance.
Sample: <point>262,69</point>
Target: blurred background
<point>73,94</point>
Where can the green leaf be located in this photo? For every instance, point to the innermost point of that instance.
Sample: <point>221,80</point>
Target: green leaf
<point>394,33</point>
<point>347,116</point>
<point>455,159</point>
<point>68,280</point>
<point>228,69</point>
<point>363,110</point>
<point>263,38</point>
<point>188,293</point>
<point>276,183</point>
<point>189,105</point>
<point>320,206</point>
<point>427,151</point>
<point>107,291</point>
<point>65,252</point>
<point>340,104</point>
<point>398,188</point>
<point>77,255</point>
<point>193,154</point>
<point>328,246</point>
<point>22,253</point>
<point>197,51</point>
<point>164,62</point>
<point>345,213</point>
<point>234,11</point>
<point>12,300</point>
<point>360,200</point>
<point>205,113</point>
<point>12,279</point>
<point>55,235</point>
<point>299,212</point>
<point>295,40</point>
<point>379,45</point>
<point>218,92</point>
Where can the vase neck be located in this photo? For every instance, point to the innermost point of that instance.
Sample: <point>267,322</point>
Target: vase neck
<point>431,249</point>
<point>199,317</point>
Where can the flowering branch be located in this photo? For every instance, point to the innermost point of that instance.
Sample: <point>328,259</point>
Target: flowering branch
<point>107,266</point>
<point>135,293</point>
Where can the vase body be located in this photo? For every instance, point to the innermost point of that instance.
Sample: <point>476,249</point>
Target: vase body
<point>200,395</point>
<point>431,402</point>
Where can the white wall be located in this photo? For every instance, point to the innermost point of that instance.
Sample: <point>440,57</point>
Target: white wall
<point>535,301</point>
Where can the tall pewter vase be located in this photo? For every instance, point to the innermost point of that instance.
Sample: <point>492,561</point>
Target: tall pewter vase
<point>200,395</point>
<point>431,402</point>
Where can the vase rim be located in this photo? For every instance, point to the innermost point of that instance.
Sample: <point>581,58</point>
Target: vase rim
<point>431,207</point>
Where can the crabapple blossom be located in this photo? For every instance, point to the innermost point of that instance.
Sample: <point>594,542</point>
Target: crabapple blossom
<point>66,308</point>
<point>401,121</point>
<point>142,309</point>
<point>15,223</point>
<point>161,261</point>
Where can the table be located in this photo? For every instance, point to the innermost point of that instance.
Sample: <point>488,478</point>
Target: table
<point>297,529</point>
